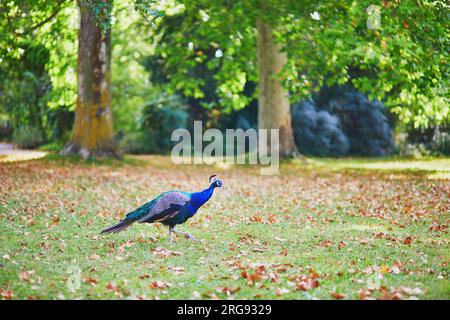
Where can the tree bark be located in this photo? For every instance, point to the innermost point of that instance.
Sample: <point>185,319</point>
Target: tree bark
<point>93,134</point>
<point>273,103</point>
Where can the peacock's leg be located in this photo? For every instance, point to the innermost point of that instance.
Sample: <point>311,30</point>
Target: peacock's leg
<point>186,235</point>
<point>189,236</point>
<point>171,229</point>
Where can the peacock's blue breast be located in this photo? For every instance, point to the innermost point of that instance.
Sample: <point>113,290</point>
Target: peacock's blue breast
<point>186,212</point>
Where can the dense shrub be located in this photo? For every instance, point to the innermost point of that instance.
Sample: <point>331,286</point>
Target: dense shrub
<point>155,125</point>
<point>318,132</point>
<point>27,137</point>
<point>342,121</point>
<point>418,142</point>
<point>5,129</point>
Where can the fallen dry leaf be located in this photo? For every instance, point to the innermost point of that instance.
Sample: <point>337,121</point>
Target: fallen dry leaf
<point>158,285</point>
<point>407,240</point>
<point>7,294</point>
<point>112,287</point>
<point>337,295</point>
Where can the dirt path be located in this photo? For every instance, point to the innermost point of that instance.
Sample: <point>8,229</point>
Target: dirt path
<point>8,153</point>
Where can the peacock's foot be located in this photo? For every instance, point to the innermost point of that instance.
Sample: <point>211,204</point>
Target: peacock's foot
<point>190,237</point>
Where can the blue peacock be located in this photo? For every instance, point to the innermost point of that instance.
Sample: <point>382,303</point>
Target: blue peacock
<point>169,208</point>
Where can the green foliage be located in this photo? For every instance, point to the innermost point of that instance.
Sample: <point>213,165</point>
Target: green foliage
<point>158,119</point>
<point>24,86</point>
<point>147,8</point>
<point>403,63</point>
<point>37,69</point>
<point>189,52</point>
<point>101,11</point>
<point>205,51</point>
<point>131,87</point>
<point>27,137</point>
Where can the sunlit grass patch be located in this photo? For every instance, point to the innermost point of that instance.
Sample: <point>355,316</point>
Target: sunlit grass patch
<point>310,232</point>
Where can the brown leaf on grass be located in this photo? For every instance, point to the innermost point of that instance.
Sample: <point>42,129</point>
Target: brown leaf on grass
<point>281,291</point>
<point>341,245</point>
<point>25,275</point>
<point>408,240</point>
<point>436,227</point>
<point>177,270</point>
<point>313,274</point>
<point>389,294</point>
<point>164,253</point>
<point>228,291</point>
<point>94,257</point>
<point>379,235</point>
<point>411,291</point>
<point>283,267</point>
<point>256,218</point>
<point>112,287</point>
<point>273,277</point>
<point>213,296</point>
<point>308,284</point>
<point>337,295</point>
<point>158,285</point>
<point>398,264</point>
<point>284,253</point>
<point>251,277</point>
<point>90,280</point>
<point>272,218</point>
<point>326,243</point>
<point>363,294</point>
<point>7,294</point>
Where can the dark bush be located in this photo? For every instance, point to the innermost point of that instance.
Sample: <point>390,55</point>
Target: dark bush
<point>157,121</point>
<point>343,112</point>
<point>6,129</point>
<point>27,137</point>
<point>424,141</point>
<point>318,132</point>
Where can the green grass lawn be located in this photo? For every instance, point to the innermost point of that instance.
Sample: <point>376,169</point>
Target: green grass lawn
<point>325,229</point>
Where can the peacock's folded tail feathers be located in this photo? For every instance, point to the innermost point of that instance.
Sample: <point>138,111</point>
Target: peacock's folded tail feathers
<point>118,227</point>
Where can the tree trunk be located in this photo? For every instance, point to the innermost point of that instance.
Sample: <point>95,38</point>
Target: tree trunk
<point>273,103</point>
<point>93,134</point>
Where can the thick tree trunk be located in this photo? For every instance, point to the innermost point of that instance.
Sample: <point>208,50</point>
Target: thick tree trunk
<point>273,103</point>
<point>93,134</point>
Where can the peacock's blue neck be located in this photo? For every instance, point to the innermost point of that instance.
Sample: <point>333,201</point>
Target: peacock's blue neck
<point>200,198</point>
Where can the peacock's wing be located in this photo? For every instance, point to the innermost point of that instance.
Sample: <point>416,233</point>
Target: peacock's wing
<point>166,206</point>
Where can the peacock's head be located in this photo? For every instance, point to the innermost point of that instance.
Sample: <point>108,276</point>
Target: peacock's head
<point>215,182</point>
